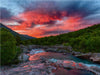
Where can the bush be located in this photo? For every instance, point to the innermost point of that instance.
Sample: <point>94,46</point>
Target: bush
<point>8,47</point>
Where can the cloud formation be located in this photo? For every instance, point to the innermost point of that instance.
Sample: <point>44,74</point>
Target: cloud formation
<point>5,14</point>
<point>45,18</point>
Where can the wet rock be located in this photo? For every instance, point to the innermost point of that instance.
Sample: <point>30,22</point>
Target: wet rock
<point>81,66</point>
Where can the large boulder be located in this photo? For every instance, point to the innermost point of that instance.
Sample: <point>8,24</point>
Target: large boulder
<point>84,55</point>
<point>95,57</point>
<point>68,64</point>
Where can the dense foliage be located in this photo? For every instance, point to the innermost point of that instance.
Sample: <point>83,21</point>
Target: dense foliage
<point>85,40</point>
<point>8,47</point>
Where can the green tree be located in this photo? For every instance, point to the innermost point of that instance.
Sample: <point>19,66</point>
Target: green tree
<point>8,46</point>
<point>18,39</point>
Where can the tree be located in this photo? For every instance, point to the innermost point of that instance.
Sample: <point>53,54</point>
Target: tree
<point>18,39</point>
<point>8,46</point>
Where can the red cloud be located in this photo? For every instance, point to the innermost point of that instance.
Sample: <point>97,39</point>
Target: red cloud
<point>32,18</point>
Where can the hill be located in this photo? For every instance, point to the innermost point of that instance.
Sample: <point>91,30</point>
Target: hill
<point>85,40</point>
<point>23,37</point>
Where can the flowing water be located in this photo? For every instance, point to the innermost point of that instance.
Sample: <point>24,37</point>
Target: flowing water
<point>54,57</point>
<point>40,63</point>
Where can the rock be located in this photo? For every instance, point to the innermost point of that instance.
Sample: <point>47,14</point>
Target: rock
<point>51,50</point>
<point>76,53</point>
<point>24,48</point>
<point>81,66</point>
<point>43,59</point>
<point>23,57</point>
<point>30,47</point>
<point>59,51</point>
<point>95,70</point>
<point>69,48</point>
<point>94,57</point>
<point>52,60</point>
<point>64,53</point>
<point>59,62</point>
<point>35,51</point>
<point>84,56</point>
<point>68,64</point>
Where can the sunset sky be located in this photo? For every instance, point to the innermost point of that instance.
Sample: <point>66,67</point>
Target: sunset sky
<point>40,18</point>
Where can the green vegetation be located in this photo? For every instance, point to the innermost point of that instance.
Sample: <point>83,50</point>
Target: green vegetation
<point>8,47</point>
<point>84,40</point>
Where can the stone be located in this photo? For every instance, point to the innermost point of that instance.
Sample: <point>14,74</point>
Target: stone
<point>76,53</point>
<point>23,57</point>
<point>68,64</point>
<point>69,48</point>
<point>24,50</point>
<point>84,55</point>
<point>95,57</point>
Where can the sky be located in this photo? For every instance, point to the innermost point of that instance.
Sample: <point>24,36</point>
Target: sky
<point>43,18</point>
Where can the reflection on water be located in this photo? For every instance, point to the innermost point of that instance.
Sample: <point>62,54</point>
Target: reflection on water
<point>37,53</point>
<point>67,59</point>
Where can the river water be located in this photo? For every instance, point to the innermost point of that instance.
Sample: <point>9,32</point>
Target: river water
<point>35,54</point>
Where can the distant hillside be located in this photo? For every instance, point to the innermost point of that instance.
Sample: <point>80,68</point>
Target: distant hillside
<point>23,37</point>
<point>84,40</point>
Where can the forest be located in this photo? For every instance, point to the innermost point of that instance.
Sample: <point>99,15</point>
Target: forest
<point>83,40</point>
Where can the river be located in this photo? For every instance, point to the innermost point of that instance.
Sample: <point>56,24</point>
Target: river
<point>35,54</point>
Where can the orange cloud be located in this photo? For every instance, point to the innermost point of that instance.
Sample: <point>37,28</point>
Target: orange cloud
<point>37,23</point>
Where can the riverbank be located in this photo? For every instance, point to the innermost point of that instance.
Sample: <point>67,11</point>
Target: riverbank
<point>42,62</point>
<point>94,57</point>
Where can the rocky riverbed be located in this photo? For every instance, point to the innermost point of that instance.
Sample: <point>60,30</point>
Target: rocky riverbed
<point>50,61</point>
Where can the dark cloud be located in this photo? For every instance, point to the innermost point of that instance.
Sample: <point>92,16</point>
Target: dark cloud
<point>78,8</point>
<point>5,14</point>
<point>67,14</point>
<point>56,32</point>
<point>82,8</point>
